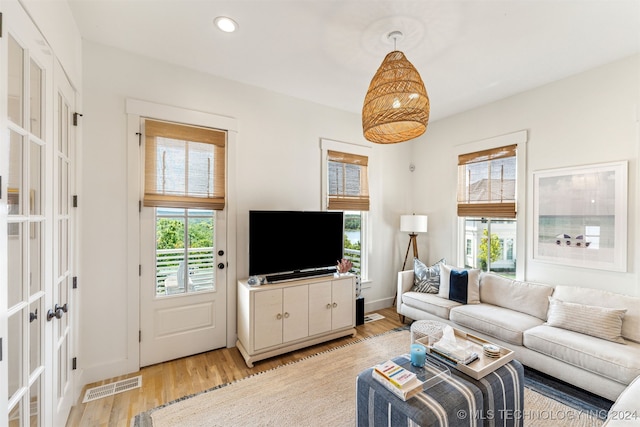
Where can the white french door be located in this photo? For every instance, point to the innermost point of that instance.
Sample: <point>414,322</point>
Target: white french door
<point>63,250</point>
<point>27,147</point>
<point>36,241</point>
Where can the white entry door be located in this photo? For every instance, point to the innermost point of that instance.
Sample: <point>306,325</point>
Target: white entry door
<point>182,283</point>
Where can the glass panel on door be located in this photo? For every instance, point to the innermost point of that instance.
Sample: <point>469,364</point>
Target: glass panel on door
<point>15,81</point>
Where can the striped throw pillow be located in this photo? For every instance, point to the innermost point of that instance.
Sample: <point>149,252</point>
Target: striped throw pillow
<point>600,322</point>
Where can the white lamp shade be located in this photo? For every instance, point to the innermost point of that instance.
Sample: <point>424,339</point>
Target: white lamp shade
<point>413,223</point>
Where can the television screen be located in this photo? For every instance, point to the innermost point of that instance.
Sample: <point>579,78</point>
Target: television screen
<point>294,241</point>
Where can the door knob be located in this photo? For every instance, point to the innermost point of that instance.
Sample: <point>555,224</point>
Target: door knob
<point>33,316</point>
<point>221,266</point>
<point>220,252</point>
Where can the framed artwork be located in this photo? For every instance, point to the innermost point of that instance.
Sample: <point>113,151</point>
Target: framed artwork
<point>580,216</point>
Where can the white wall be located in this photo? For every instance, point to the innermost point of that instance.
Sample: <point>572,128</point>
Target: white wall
<point>586,119</point>
<point>278,167</point>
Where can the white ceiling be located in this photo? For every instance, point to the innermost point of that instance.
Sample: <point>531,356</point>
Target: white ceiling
<point>468,52</point>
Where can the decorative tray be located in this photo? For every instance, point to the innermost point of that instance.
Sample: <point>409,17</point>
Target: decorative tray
<point>479,367</point>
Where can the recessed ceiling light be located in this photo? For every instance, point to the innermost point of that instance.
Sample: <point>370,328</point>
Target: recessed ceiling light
<point>225,24</point>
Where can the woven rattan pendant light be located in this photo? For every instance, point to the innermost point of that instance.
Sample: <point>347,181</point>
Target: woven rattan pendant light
<point>396,107</point>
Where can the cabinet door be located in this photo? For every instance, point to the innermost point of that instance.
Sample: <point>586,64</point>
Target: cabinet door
<point>267,327</point>
<point>296,313</point>
<point>343,304</point>
<point>319,308</point>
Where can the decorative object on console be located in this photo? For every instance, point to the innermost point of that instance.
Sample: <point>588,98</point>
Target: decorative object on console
<point>412,224</point>
<point>396,107</point>
<point>426,279</point>
<point>255,281</point>
<point>460,285</point>
<point>344,266</point>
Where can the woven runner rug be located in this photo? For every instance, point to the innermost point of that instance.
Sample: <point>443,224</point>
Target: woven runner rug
<point>320,390</point>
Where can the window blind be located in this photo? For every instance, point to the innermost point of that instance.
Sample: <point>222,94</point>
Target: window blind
<point>348,188</point>
<point>184,166</point>
<point>487,183</point>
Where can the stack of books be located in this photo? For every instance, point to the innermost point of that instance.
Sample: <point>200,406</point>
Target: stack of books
<point>398,380</point>
<point>452,352</point>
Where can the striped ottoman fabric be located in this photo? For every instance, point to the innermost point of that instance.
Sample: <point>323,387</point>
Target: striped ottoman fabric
<point>459,400</point>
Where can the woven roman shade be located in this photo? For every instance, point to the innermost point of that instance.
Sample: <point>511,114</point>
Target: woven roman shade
<point>184,166</point>
<point>396,106</point>
<point>487,183</point>
<point>348,182</point>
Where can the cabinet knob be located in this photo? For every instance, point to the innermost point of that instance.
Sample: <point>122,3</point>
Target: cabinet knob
<point>279,316</point>
<point>328,306</point>
<point>335,304</point>
<point>286,315</point>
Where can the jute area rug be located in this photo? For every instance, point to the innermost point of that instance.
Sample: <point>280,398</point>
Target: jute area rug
<point>319,389</point>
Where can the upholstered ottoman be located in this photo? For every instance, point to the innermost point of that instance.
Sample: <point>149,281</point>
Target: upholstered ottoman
<point>496,399</point>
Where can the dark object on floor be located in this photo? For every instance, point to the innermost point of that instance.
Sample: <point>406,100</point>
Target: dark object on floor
<point>360,311</point>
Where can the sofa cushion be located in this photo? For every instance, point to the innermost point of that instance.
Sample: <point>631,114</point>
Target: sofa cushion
<point>502,323</point>
<point>600,322</point>
<point>525,297</point>
<point>631,321</point>
<point>430,303</point>
<point>426,279</point>
<point>611,360</point>
<point>472,282</point>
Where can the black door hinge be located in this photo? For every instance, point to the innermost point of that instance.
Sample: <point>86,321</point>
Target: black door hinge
<point>139,269</point>
<point>74,363</point>
<point>139,205</point>
<point>140,336</point>
<point>75,118</point>
<point>75,282</point>
<point>75,201</point>
<point>0,25</point>
<point>139,138</point>
<point>0,349</point>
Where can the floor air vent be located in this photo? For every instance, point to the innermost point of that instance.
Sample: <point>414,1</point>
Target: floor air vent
<point>112,388</point>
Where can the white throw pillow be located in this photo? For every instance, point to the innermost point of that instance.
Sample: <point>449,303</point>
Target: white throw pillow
<point>599,322</point>
<point>451,280</point>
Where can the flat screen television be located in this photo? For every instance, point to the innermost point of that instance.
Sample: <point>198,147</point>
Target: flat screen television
<point>301,243</point>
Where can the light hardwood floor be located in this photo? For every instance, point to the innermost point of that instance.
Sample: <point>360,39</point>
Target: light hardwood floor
<point>168,381</point>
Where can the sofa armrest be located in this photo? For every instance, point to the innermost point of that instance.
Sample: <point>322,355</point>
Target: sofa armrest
<point>625,406</point>
<point>405,282</point>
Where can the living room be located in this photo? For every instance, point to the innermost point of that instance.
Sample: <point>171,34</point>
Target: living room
<point>584,118</point>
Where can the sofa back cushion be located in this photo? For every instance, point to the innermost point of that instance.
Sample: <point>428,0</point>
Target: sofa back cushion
<point>525,297</point>
<point>631,320</point>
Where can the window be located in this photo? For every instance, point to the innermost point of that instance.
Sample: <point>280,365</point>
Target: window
<point>346,188</point>
<point>348,181</point>
<point>184,250</point>
<point>488,183</point>
<point>185,182</point>
<point>184,166</point>
<point>495,253</point>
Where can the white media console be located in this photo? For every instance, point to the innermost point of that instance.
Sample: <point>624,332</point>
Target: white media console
<point>281,317</point>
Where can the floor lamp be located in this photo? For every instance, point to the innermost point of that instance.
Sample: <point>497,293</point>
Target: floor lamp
<point>412,224</point>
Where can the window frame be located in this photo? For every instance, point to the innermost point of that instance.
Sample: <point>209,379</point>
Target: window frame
<point>520,139</point>
<point>327,145</point>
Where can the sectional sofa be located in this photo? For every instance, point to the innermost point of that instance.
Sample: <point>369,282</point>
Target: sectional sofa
<point>540,323</point>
